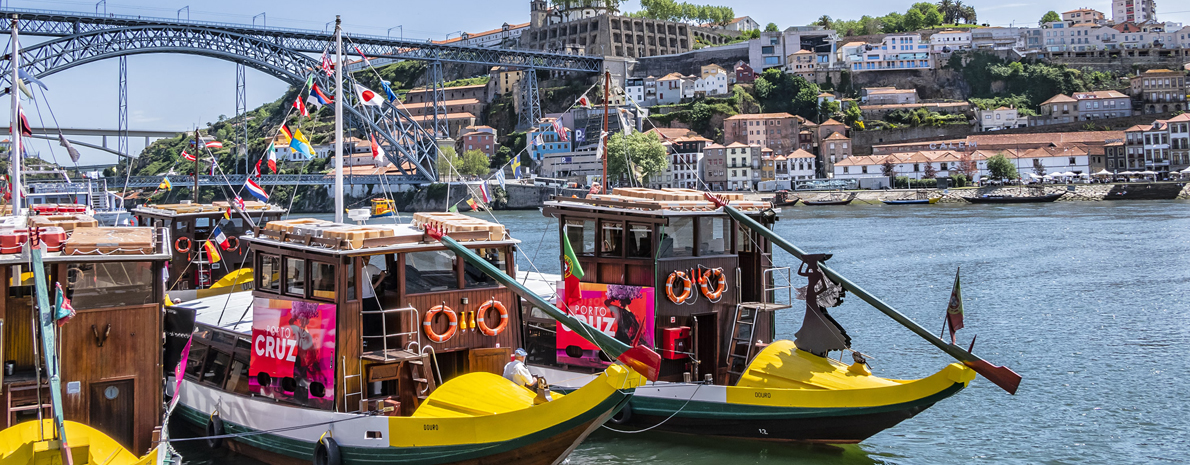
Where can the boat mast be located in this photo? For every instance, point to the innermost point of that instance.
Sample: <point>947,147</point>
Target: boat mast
<point>607,81</point>
<point>196,154</point>
<point>14,163</point>
<point>338,121</point>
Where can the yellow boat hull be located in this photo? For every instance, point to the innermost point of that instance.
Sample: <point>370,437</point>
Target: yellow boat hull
<point>22,444</point>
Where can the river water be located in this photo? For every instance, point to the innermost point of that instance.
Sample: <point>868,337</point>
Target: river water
<point>1089,301</point>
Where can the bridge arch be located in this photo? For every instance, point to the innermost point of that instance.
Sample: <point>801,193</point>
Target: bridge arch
<point>412,149</point>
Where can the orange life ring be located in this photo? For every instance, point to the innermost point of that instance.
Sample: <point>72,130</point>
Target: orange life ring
<point>178,244</point>
<point>483,310</point>
<point>233,244</point>
<point>687,285</point>
<point>704,281</point>
<point>427,323</point>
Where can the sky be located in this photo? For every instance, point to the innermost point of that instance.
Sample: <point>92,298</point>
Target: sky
<point>178,92</point>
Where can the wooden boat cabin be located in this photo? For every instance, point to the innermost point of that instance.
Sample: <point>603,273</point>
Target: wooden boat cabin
<point>347,318</point>
<point>191,224</point>
<point>665,268</point>
<point>110,352</point>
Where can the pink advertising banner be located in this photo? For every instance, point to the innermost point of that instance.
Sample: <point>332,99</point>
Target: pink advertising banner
<point>293,351</point>
<point>622,312</point>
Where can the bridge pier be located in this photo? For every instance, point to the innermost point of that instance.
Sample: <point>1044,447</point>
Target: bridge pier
<point>530,100</point>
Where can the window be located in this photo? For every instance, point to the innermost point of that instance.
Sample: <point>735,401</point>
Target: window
<point>640,240</point>
<point>766,49</point>
<point>611,239</point>
<point>681,232</point>
<point>430,271</point>
<point>194,362</point>
<point>110,284</point>
<point>473,278</point>
<point>772,60</point>
<point>714,235</point>
<point>581,234</point>
<point>322,280</point>
<point>215,368</point>
<point>295,276</point>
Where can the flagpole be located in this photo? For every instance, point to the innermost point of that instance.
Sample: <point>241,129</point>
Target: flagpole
<point>197,141</point>
<point>338,121</point>
<point>14,164</point>
<point>607,78</point>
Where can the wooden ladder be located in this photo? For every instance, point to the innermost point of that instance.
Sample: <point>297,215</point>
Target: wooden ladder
<point>421,371</point>
<point>742,334</point>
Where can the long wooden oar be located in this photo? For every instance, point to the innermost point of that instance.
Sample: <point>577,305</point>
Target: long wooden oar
<point>1002,376</point>
<point>640,358</point>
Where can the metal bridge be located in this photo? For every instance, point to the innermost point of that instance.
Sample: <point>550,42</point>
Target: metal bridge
<point>234,180</point>
<point>80,38</point>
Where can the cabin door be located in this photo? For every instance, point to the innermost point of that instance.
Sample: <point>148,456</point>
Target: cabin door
<point>706,344</point>
<point>112,409</point>
<point>489,360</point>
<point>753,262</point>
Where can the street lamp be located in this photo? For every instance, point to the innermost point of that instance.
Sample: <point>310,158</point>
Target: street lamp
<point>402,28</point>
<point>263,19</point>
<point>101,2</point>
<point>455,32</point>
<point>187,8</point>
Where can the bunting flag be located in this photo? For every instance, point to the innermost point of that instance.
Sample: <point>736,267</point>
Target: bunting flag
<point>74,154</point>
<point>255,190</point>
<point>165,184</point>
<point>367,97</point>
<point>212,252</point>
<point>188,156</point>
<point>297,103</point>
<point>483,191</point>
<point>500,178</point>
<point>388,90</point>
<point>328,67</point>
<point>624,126</point>
<point>516,166</point>
<point>361,55</point>
<point>309,82</point>
<point>453,208</point>
<point>561,131</point>
<point>31,78</point>
<point>471,203</point>
<point>538,141</point>
<point>227,213</point>
<point>213,145</point>
<point>317,98</point>
<point>220,238</point>
<point>377,151</point>
<point>272,157</point>
<point>63,311</point>
<point>24,90</point>
<point>298,142</point>
<point>583,102</point>
<point>954,309</point>
<point>256,171</point>
<point>239,203</point>
<point>25,129</point>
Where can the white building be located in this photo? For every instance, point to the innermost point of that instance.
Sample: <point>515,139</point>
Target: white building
<point>712,81</point>
<point>1136,11</point>
<point>950,41</point>
<point>772,48</point>
<point>1000,118</point>
<point>739,165</point>
<point>801,165</point>
<point>743,24</point>
<point>896,51</point>
<point>669,89</point>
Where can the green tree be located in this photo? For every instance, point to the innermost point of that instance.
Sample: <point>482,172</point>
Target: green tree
<point>503,154</point>
<point>805,103</point>
<point>772,27</point>
<point>645,151</point>
<point>853,117</point>
<point>914,20</point>
<point>475,163</point>
<point>999,167</point>
<point>700,116</point>
<point>449,163</point>
<point>1050,16</point>
<point>827,109</point>
<point>824,21</point>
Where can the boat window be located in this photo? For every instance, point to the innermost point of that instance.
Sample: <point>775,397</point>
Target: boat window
<point>180,228</point>
<point>611,239</point>
<point>270,273</point>
<point>581,235</point>
<point>681,229</point>
<point>237,377</point>
<point>474,278</point>
<point>743,239</point>
<point>194,361</point>
<point>295,276</point>
<point>223,338</point>
<point>238,222</point>
<point>351,280</point>
<point>713,235</point>
<point>640,240</point>
<point>430,271</point>
<point>109,284</point>
<point>215,368</point>
<point>322,280</point>
<point>202,222</point>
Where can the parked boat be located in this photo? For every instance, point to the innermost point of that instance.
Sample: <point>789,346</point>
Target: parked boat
<point>1005,198</point>
<point>781,199</point>
<point>665,264</point>
<point>835,199</point>
<point>929,201</point>
<point>383,208</point>
<point>27,443</point>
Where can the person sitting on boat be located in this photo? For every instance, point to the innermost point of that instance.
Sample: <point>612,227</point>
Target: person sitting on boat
<point>516,371</point>
<point>375,277</point>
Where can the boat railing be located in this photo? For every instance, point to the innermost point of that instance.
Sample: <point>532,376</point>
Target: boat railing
<point>385,334</point>
<point>771,286</point>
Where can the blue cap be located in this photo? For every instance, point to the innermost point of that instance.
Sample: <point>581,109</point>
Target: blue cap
<point>521,353</point>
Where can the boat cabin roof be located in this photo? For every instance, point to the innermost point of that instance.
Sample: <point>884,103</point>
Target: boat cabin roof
<point>78,238</point>
<point>654,203</point>
<point>214,209</point>
<point>341,239</point>
<point>231,312</point>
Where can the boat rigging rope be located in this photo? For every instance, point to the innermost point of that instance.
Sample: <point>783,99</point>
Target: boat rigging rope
<point>271,431</point>
<point>670,417</point>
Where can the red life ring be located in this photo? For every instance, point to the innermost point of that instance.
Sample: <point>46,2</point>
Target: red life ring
<point>427,323</point>
<point>687,285</point>
<point>178,244</point>
<point>483,310</point>
<point>704,281</point>
<point>233,244</point>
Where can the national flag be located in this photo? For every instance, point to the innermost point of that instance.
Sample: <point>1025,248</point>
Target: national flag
<point>256,171</point>
<point>212,252</point>
<point>572,272</point>
<point>367,97</point>
<point>63,311</point>
<point>297,103</point>
<point>220,238</point>
<point>500,178</point>
<point>954,310</point>
<point>328,67</point>
<point>453,208</point>
<point>388,90</point>
<point>583,102</point>
<point>74,154</point>
<point>213,145</point>
<point>188,156</point>
<point>317,98</point>
<point>516,166</point>
<point>538,140</point>
<point>361,55</point>
<point>474,205</point>
<point>31,78</point>
<point>25,129</point>
<point>561,131</point>
<point>483,191</point>
<point>165,184</point>
<point>227,213</point>
<point>309,82</point>
<point>298,142</point>
<point>272,156</point>
<point>256,191</point>
<point>377,151</point>
<point>239,203</point>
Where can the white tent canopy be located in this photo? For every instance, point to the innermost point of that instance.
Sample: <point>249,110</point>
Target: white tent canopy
<point>1148,173</point>
<point>1187,170</point>
<point>1102,173</point>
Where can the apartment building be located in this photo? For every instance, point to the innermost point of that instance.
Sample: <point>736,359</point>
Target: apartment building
<point>896,51</point>
<point>1160,91</point>
<point>772,49</point>
<point>999,118</point>
<point>887,96</point>
<point>801,165</point>
<point>1133,10</point>
<point>739,165</point>
<point>801,64</point>
<point>714,166</point>
<point>950,41</point>
<point>777,131</point>
<point>1083,16</point>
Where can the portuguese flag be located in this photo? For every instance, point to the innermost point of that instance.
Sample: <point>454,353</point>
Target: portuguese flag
<point>954,310</point>
<point>572,272</point>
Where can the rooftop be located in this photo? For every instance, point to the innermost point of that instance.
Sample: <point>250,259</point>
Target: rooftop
<point>759,115</point>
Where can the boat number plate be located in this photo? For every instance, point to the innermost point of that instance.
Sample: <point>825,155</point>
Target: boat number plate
<point>764,431</point>
<point>430,427</point>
